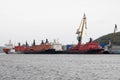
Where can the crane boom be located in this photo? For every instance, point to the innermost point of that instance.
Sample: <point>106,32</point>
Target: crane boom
<point>81,28</point>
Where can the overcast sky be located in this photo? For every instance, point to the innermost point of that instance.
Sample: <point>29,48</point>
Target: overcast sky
<point>25,20</point>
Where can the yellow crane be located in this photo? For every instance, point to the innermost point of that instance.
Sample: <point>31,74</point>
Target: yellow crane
<point>81,28</point>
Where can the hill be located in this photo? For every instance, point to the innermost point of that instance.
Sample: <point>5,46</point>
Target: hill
<point>105,39</point>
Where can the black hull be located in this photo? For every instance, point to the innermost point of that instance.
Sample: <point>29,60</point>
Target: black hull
<point>52,51</point>
<point>111,52</point>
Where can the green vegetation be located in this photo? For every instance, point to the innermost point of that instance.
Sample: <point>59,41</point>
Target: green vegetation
<point>105,39</point>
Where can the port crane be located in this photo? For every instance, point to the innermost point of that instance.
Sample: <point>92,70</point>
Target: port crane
<point>79,31</point>
<point>89,47</point>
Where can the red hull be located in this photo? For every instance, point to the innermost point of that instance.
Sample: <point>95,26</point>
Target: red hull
<point>19,48</point>
<point>6,50</point>
<point>90,47</point>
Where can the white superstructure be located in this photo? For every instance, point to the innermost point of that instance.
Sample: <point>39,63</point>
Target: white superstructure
<point>56,45</point>
<point>9,45</point>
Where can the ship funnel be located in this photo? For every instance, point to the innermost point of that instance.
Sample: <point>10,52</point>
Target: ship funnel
<point>42,42</point>
<point>19,44</point>
<point>47,41</point>
<point>26,44</point>
<point>33,42</point>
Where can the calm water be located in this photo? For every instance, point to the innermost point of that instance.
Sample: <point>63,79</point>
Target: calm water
<point>59,67</point>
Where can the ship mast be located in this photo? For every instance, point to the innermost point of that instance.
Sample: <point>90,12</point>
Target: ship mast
<point>80,29</point>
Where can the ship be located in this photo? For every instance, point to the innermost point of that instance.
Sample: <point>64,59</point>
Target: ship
<point>88,48</point>
<point>26,49</point>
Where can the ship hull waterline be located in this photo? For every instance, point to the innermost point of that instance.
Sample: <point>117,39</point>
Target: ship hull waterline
<point>52,51</point>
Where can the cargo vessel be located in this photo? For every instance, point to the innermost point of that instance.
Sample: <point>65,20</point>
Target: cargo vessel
<point>33,49</point>
<point>88,48</point>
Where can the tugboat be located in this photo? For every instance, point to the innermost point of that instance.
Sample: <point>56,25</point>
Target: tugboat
<point>88,48</point>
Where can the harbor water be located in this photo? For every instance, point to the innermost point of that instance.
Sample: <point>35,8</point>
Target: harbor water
<point>59,67</point>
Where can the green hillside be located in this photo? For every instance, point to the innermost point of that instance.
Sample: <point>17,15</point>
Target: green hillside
<point>105,39</point>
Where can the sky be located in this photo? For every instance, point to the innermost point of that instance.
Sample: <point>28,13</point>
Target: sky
<point>26,20</point>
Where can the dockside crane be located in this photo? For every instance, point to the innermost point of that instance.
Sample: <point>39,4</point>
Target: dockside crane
<point>80,30</point>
